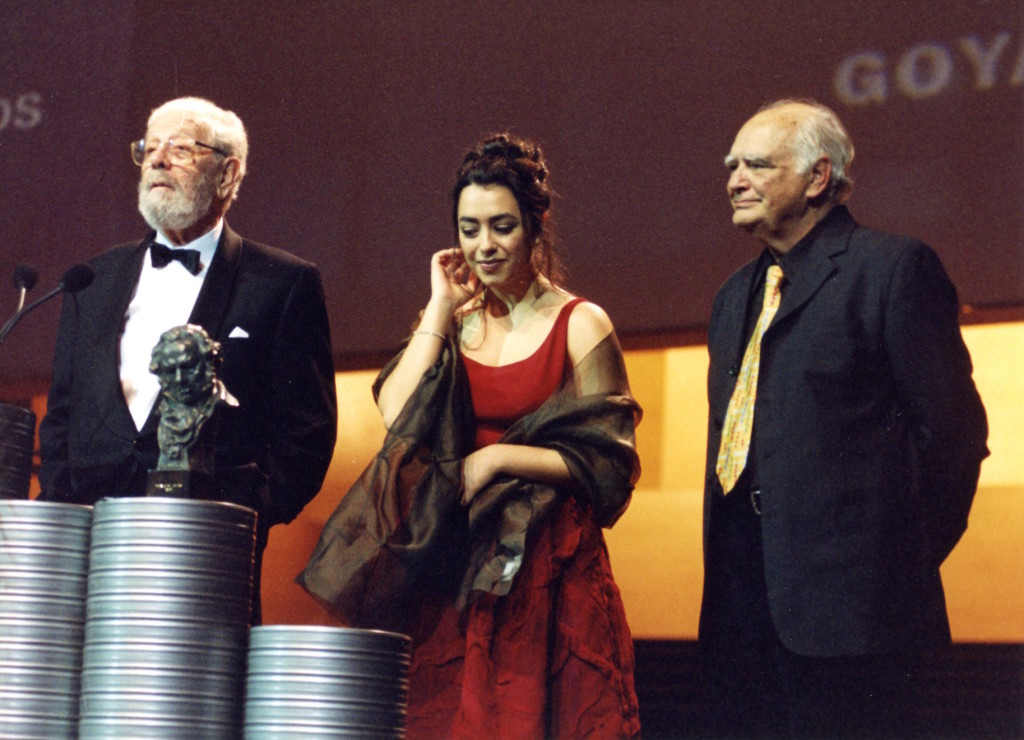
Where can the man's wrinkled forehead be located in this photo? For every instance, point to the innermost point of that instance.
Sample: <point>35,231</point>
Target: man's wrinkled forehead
<point>171,122</point>
<point>767,136</point>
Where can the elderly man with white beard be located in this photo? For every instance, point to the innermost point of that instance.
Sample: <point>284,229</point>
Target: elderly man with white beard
<point>264,306</point>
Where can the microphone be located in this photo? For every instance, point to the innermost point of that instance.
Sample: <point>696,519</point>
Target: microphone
<point>76,278</point>
<point>25,278</point>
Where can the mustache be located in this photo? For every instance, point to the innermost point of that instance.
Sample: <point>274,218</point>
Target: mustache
<point>154,178</point>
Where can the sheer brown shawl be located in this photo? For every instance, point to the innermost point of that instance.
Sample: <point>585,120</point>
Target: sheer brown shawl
<point>401,525</point>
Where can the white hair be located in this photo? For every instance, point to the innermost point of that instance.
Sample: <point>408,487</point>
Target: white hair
<point>820,132</point>
<point>223,128</point>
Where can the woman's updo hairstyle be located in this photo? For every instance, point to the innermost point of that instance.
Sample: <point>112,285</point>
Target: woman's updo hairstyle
<point>517,164</point>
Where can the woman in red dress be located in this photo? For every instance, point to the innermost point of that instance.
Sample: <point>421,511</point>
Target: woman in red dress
<point>510,446</point>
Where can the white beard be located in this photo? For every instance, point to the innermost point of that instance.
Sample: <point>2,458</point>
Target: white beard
<point>179,208</point>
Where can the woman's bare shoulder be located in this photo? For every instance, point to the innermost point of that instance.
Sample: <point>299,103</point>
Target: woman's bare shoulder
<point>588,326</point>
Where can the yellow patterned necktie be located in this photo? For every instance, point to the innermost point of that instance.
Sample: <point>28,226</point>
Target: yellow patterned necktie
<point>739,418</point>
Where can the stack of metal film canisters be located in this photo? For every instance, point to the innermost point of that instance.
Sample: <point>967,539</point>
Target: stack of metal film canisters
<point>17,438</point>
<point>319,682</point>
<point>167,618</point>
<point>44,563</point>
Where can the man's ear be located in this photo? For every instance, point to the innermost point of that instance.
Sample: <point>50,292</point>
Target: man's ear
<point>229,177</point>
<point>819,176</point>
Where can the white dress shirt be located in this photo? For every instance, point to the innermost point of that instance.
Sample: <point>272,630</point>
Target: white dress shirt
<point>163,299</point>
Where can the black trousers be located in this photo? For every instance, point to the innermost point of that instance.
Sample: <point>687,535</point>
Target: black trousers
<point>756,687</point>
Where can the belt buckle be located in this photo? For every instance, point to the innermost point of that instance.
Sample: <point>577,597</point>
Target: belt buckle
<point>755,500</point>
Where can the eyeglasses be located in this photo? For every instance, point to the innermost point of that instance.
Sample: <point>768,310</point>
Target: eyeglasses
<point>181,150</point>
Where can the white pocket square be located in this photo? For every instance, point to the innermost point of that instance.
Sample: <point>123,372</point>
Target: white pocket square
<point>238,333</point>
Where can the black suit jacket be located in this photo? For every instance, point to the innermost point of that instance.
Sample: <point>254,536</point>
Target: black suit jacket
<point>867,442</point>
<point>278,442</point>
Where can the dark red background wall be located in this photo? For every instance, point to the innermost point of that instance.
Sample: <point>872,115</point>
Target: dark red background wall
<point>358,113</point>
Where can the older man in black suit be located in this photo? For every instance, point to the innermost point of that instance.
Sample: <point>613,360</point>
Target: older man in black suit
<point>264,306</point>
<point>844,445</point>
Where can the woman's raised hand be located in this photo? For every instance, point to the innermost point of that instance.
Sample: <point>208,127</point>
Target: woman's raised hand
<point>452,280</point>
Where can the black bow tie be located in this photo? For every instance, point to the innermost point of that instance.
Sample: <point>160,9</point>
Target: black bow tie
<point>161,257</point>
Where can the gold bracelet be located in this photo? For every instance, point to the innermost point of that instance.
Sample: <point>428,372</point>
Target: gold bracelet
<point>429,333</point>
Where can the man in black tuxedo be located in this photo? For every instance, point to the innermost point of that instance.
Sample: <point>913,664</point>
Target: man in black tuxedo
<point>826,522</point>
<point>264,306</point>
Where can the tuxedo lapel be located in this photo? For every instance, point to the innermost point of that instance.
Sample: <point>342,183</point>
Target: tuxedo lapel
<point>106,364</point>
<point>212,304</point>
<point>128,275</point>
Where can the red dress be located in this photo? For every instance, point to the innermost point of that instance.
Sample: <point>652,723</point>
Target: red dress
<point>554,657</point>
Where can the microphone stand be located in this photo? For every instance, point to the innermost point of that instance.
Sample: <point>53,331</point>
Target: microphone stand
<point>73,281</point>
<point>22,311</point>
